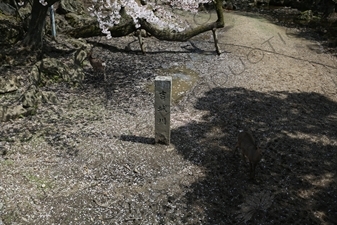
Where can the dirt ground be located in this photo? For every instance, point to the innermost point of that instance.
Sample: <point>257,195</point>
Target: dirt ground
<point>90,158</point>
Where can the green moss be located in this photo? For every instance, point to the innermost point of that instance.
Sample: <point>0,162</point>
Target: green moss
<point>39,182</point>
<point>8,163</point>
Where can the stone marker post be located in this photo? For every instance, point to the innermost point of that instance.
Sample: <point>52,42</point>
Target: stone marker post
<point>162,105</point>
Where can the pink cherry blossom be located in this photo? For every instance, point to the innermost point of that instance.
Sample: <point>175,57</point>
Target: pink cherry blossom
<point>107,13</point>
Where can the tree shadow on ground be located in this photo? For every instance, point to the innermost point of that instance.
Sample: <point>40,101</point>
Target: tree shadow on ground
<point>296,181</point>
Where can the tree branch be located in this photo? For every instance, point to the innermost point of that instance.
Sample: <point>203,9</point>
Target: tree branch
<point>126,26</point>
<point>168,35</point>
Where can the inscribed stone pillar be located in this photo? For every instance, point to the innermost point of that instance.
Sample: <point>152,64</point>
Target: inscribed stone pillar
<point>162,105</point>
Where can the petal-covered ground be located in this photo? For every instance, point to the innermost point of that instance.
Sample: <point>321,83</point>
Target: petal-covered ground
<point>89,158</point>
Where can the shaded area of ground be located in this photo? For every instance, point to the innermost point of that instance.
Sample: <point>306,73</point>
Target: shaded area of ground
<point>295,132</point>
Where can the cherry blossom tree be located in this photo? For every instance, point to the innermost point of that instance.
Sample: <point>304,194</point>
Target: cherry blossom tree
<point>122,17</point>
<point>154,16</point>
<point>109,13</point>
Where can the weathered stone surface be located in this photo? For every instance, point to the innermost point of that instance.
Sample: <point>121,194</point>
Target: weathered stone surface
<point>30,98</point>
<point>162,105</point>
<point>51,70</point>
<point>80,56</point>
<point>14,111</point>
<point>8,85</point>
<point>77,21</point>
<point>48,97</point>
<point>10,29</point>
<point>24,100</point>
<point>67,6</point>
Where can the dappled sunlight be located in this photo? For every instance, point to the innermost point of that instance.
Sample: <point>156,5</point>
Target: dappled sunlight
<point>323,180</point>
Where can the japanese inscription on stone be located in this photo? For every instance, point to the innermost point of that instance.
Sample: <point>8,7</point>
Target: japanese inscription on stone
<point>162,104</point>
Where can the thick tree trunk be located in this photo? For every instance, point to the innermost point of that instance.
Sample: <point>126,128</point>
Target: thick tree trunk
<point>34,36</point>
<point>127,26</point>
<point>186,35</point>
